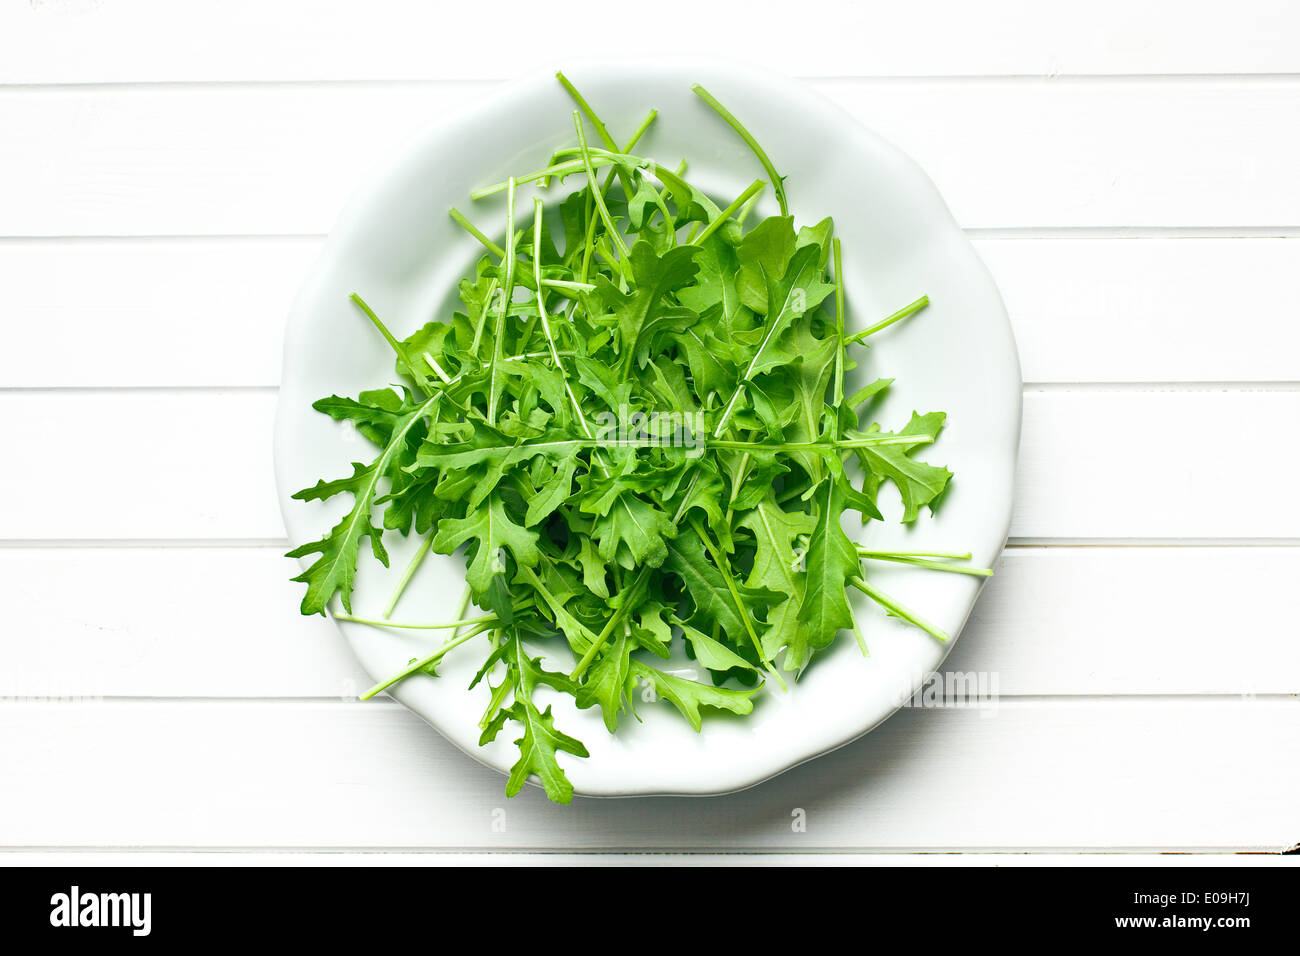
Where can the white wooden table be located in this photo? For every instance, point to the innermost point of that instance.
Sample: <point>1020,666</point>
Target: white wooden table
<point>1131,174</point>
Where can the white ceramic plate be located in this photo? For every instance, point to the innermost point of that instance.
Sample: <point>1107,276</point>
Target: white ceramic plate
<point>395,245</point>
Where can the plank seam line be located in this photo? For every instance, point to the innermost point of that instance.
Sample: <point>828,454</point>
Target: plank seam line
<point>783,850</point>
<point>1133,232</point>
<point>1238,385</point>
<point>1195,387</point>
<point>16,544</point>
<point>1230,78</point>
<point>1027,701</point>
<point>1137,542</point>
<point>74,390</point>
<point>974,232</point>
<point>1013,544</point>
<point>233,237</point>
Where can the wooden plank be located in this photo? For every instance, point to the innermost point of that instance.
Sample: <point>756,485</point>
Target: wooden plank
<point>1137,621</point>
<point>1147,774</point>
<point>224,160</point>
<point>1094,464</point>
<point>1110,153</point>
<point>1005,153</point>
<point>165,622</point>
<point>62,41</point>
<point>209,857</point>
<point>1051,621</point>
<point>195,311</point>
<point>135,465</point>
<point>1151,310</point>
<point>1154,464</point>
<point>212,310</point>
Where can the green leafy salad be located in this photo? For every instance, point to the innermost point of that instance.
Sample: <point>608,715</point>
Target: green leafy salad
<point>637,430</point>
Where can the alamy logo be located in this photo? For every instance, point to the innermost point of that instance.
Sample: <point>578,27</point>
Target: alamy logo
<point>652,429</point>
<point>75,908</point>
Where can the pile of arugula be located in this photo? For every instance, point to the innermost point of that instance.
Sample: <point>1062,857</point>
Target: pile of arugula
<point>638,430</point>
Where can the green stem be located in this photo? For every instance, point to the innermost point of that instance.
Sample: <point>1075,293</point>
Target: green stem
<point>450,625</point>
<point>862,641</point>
<point>583,105</point>
<point>409,573</point>
<point>726,412</point>
<point>898,610</point>
<point>598,157</point>
<point>397,346</point>
<point>686,497</point>
<point>507,293</point>
<point>746,210</point>
<point>546,322</point>
<point>814,445</point>
<point>589,239</point>
<point>953,555</point>
<point>438,369</point>
<point>630,592</point>
<point>493,285</point>
<point>598,125</point>
<point>422,663</point>
<point>477,233</point>
<point>839,325</point>
<point>778,187</point>
<point>920,562</point>
<point>884,323</point>
<point>596,191</point>
<point>564,443</point>
<point>753,189</point>
<point>563,285</point>
<point>793,492</point>
<point>640,131</point>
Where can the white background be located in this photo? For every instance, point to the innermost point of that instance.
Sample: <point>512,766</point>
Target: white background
<point>1129,171</point>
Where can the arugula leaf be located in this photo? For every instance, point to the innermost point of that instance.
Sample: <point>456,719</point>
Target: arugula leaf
<point>716,283</point>
<point>648,452</point>
<point>709,591</point>
<point>706,359</point>
<point>607,680</point>
<point>712,653</point>
<point>494,531</point>
<point>374,414</point>
<point>541,740</point>
<point>335,570</point>
<point>537,750</point>
<point>919,483</point>
<point>798,290</point>
<point>634,533</point>
<point>832,560</point>
<point>688,696</point>
<point>778,565</point>
<point>654,276</point>
<point>765,251</point>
